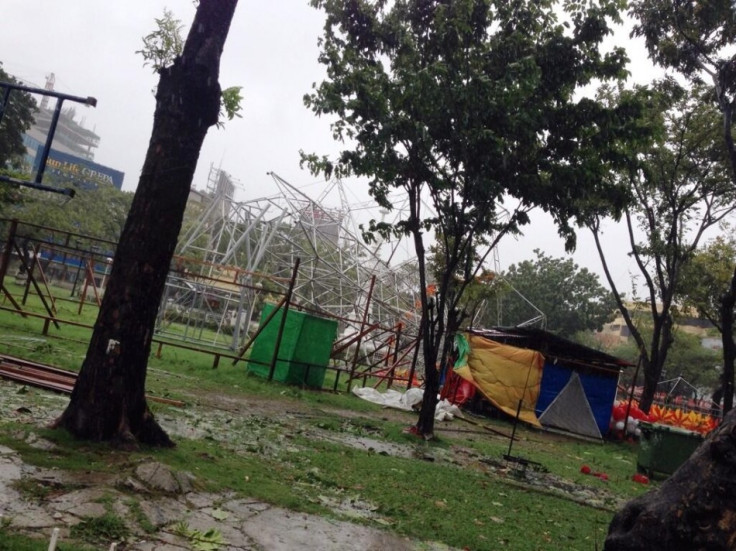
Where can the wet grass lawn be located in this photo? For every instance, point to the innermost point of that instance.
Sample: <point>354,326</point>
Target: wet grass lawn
<point>335,455</point>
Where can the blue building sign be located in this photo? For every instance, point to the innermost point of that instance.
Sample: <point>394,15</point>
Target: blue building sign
<point>77,171</point>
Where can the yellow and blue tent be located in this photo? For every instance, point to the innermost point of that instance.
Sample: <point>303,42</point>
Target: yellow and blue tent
<point>553,382</point>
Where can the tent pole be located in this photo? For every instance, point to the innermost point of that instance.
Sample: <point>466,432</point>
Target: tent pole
<point>513,430</point>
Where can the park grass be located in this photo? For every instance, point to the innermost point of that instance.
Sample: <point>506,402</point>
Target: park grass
<point>66,347</point>
<point>462,505</point>
<point>10,541</point>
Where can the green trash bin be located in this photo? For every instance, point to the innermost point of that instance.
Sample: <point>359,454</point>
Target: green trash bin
<point>662,449</point>
<point>304,352</point>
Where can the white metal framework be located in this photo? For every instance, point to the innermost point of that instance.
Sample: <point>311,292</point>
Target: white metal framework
<point>239,254</point>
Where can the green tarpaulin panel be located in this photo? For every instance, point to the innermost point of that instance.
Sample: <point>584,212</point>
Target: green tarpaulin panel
<point>305,347</point>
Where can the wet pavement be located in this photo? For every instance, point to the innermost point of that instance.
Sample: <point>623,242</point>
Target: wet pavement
<point>244,524</point>
<point>165,502</point>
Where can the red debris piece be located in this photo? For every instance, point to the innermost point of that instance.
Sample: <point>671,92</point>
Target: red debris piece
<point>640,478</point>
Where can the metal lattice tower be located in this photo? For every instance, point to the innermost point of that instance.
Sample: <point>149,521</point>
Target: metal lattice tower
<point>238,252</point>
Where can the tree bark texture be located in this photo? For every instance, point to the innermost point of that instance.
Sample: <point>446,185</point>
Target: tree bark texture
<point>425,423</point>
<point>651,378</point>
<point>108,401</point>
<point>431,325</point>
<point>694,509</point>
<point>653,365</point>
<point>728,300</point>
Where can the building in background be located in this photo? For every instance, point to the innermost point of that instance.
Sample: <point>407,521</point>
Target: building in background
<point>617,332</point>
<point>71,159</point>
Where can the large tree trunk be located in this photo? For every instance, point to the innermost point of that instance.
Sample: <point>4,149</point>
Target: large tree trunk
<point>661,342</point>
<point>694,509</point>
<point>429,327</point>
<point>425,423</point>
<point>729,346</point>
<point>651,378</point>
<point>431,323</point>
<point>108,401</point>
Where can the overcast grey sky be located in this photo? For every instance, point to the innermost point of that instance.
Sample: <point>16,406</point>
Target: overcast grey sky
<point>271,52</point>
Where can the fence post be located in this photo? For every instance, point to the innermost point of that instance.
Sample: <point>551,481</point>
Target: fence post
<point>283,319</point>
<point>360,334</point>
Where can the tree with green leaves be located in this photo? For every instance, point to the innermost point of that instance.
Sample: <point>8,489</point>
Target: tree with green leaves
<point>707,276</point>
<point>688,358</point>
<point>707,282</point>
<point>571,298</point>
<point>697,40</point>
<point>17,118</point>
<point>695,363</point>
<point>479,298</point>
<point>97,212</point>
<point>681,188</point>
<point>459,107</point>
<point>165,43</point>
<point>108,401</point>
<point>695,508</point>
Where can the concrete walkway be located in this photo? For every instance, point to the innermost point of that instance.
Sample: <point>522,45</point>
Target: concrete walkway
<point>166,499</point>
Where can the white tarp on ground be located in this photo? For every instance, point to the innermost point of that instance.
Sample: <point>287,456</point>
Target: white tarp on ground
<point>406,401</point>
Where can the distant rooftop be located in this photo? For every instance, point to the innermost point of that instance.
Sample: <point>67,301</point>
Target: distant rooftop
<point>70,137</point>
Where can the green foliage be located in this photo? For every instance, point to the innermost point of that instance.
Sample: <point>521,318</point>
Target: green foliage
<point>688,359</point>
<point>211,540</point>
<point>16,542</point>
<point>469,100</point>
<point>571,298</point>
<point>140,516</point>
<point>468,105</point>
<point>231,104</point>
<point>681,187</point>
<point>11,194</point>
<point>161,48</point>
<point>707,277</point>
<point>106,528</point>
<point>697,40</point>
<point>17,118</point>
<point>688,36</point>
<point>164,44</point>
<point>99,212</point>
<point>683,181</point>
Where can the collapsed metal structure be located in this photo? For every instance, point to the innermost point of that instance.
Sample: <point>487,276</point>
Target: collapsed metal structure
<point>238,255</point>
<point>287,249</point>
